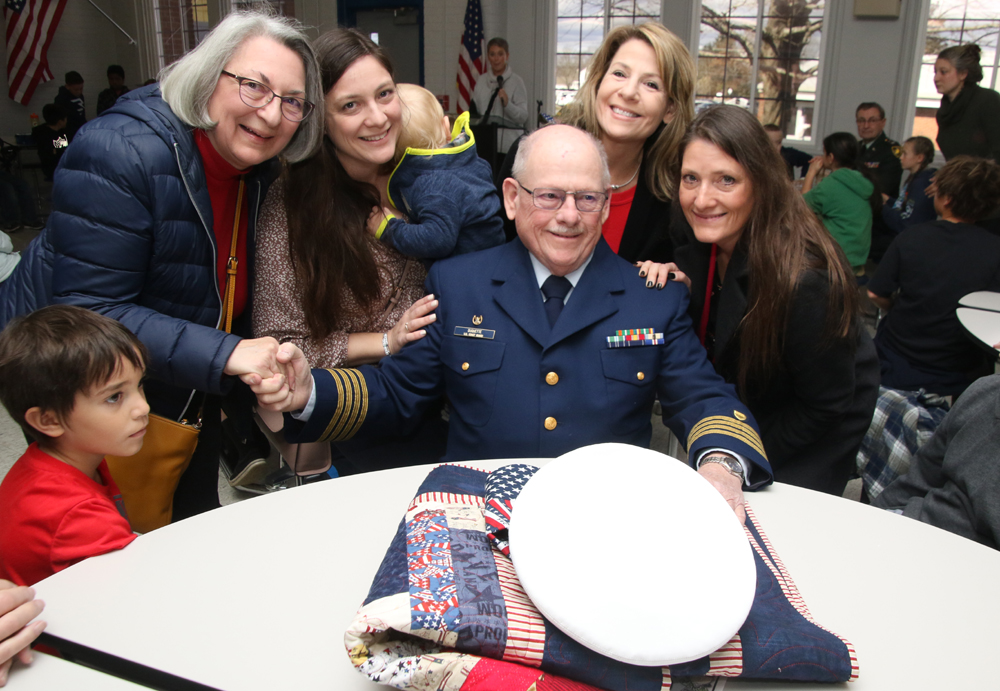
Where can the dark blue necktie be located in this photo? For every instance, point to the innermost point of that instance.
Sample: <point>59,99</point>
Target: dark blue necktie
<point>555,289</point>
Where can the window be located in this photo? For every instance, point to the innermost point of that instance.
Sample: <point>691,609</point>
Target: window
<point>953,23</point>
<point>763,56</point>
<point>285,8</point>
<point>580,28</point>
<point>180,26</point>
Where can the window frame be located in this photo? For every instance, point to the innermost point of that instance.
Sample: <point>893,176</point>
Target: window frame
<point>823,57</point>
<point>608,19</point>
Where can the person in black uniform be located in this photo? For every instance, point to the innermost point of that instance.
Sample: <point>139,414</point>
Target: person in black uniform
<point>881,156</point>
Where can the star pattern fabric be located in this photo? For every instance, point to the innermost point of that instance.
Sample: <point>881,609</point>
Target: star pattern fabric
<point>502,488</point>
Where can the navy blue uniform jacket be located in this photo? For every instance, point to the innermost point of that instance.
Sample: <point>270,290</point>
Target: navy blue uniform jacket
<point>505,386</point>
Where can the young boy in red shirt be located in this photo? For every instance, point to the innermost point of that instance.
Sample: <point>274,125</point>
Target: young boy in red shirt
<point>73,380</point>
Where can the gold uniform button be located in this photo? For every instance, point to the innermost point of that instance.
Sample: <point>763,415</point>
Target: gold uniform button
<point>465,366</point>
<point>550,423</point>
<point>640,376</point>
<point>551,378</point>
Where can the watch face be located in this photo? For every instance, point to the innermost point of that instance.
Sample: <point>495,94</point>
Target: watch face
<point>733,466</point>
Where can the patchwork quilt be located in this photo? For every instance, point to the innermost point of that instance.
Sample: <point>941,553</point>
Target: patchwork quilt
<point>445,610</point>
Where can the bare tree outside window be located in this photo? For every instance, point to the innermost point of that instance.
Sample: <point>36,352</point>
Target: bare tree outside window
<point>763,56</point>
<point>952,23</point>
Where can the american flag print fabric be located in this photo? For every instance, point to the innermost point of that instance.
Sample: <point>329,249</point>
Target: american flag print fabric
<point>471,62</point>
<point>502,488</point>
<point>446,610</point>
<point>31,24</point>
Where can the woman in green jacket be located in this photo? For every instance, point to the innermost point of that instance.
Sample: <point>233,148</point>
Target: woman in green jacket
<point>845,199</point>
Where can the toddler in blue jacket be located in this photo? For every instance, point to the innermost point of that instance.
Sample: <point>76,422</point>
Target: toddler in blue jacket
<point>442,186</point>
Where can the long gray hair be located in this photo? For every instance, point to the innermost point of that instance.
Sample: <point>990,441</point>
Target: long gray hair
<point>188,84</point>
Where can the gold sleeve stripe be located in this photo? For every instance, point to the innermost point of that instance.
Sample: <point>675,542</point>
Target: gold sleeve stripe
<point>728,427</point>
<point>352,405</point>
<point>720,424</point>
<point>359,390</point>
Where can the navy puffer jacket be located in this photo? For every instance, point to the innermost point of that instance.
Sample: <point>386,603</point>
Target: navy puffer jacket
<point>130,236</point>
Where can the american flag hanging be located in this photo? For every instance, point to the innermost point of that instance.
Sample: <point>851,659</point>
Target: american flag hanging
<point>31,24</point>
<point>470,54</point>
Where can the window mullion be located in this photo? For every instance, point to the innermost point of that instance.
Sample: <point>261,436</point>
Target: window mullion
<point>996,60</point>
<point>756,56</point>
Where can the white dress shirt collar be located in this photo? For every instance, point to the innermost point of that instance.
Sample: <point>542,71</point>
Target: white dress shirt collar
<point>541,273</point>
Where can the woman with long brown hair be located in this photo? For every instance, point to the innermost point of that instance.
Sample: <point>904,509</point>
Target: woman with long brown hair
<point>325,283</point>
<point>774,301</point>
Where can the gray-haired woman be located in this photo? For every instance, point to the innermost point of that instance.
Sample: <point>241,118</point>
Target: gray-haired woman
<point>145,203</point>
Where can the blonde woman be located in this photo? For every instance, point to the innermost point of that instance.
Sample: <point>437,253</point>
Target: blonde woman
<point>638,100</point>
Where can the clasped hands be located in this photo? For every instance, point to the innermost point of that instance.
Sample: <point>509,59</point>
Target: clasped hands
<point>288,386</point>
<point>263,362</point>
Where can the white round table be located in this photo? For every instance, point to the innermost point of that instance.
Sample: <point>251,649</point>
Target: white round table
<point>981,300</point>
<point>257,595</point>
<point>982,325</point>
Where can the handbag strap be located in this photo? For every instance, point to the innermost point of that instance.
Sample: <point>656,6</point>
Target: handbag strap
<point>228,298</point>
<point>397,294</point>
<point>232,267</point>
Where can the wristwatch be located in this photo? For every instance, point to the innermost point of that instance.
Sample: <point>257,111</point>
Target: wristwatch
<point>731,464</point>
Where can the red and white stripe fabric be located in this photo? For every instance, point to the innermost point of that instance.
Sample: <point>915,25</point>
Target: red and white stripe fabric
<point>31,24</point>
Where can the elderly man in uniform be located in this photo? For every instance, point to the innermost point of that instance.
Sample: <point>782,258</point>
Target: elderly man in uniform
<point>881,155</point>
<point>543,345</point>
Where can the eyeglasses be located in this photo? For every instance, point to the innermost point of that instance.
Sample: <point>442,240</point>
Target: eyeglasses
<point>869,121</point>
<point>257,95</point>
<point>551,199</point>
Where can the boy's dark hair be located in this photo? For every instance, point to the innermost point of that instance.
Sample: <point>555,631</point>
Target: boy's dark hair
<point>74,77</point>
<point>771,127</point>
<point>53,113</point>
<point>972,186</point>
<point>116,69</point>
<point>497,41</point>
<point>46,357</point>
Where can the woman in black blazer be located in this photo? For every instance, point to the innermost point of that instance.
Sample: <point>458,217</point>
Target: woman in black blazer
<point>773,301</point>
<point>638,100</point>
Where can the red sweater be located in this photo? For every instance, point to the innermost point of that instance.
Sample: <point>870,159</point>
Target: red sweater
<point>52,516</point>
<point>614,227</point>
<point>223,185</point>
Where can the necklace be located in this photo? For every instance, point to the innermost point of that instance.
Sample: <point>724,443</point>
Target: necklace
<point>618,187</point>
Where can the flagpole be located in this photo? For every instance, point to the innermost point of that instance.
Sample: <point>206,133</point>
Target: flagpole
<point>131,41</point>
